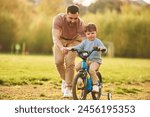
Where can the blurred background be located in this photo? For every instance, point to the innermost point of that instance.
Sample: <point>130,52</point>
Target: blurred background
<point>123,25</point>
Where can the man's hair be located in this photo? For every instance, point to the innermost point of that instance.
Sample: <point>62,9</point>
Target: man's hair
<point>73,9</point>
<point>90,27</point>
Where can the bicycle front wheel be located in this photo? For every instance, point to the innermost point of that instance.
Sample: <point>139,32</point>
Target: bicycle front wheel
<point>79,87</point>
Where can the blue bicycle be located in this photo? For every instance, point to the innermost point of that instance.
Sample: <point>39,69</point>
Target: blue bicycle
<point>82,83</point>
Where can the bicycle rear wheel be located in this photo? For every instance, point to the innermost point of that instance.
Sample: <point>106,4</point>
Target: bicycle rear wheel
<point>96,96</point>
<point>79,87</point>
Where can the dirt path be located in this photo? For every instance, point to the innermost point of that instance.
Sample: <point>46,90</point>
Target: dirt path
<point>49,91</point>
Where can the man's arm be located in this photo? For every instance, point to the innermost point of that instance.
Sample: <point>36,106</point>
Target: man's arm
<point>56,38</point>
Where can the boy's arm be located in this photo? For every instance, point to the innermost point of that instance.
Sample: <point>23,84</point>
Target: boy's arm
<point>102,47</point>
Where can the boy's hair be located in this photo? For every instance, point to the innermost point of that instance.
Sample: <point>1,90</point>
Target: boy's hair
<point>73,9</point>
<point>90,27</point>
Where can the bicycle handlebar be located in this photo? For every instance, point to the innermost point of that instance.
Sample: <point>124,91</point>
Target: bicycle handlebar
<point>85,54</point>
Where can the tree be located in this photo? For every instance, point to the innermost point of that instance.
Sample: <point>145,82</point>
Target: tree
<point>7,32</point>
<point>15,20</point>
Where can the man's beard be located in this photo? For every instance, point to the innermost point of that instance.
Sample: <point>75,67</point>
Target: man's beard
<point>71,23</point>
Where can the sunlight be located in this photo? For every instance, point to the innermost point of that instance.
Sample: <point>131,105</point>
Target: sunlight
<point>84,2</point>
<point>147,1</point>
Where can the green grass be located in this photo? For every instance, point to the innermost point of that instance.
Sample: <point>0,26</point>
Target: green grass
<point>35,69</point>
<point>125,70</point>
<point>19,70</point>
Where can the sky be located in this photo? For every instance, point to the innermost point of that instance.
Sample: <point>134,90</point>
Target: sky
<point>85,2</point>
<point>88,2</point>
<point>147,1</point>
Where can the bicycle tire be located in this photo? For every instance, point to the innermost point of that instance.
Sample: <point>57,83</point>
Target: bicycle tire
<point>109,96</point>
<point>83,89</point>
<point>96,96</point>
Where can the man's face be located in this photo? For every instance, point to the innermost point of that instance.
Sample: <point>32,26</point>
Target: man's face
<point>72,18</point>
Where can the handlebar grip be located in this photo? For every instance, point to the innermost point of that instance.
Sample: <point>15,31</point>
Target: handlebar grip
<point>103,50</point>
<point>96,48</point>
<point>73,49</point>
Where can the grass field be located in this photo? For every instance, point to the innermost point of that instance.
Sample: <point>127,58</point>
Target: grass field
<point>35,77</point>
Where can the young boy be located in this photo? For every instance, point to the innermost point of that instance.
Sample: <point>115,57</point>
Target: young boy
<point>94,60</point>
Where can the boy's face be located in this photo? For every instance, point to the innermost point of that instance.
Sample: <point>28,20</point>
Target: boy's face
<point>90,35</point>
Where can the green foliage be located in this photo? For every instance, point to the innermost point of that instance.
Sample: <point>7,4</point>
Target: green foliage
<point>14,20</point>
<point>25,23</point>
<point>102,5</point>
<point>40,40</point>
<point>50,7</point>
<point>129,31</point>
<point>125,26</point>
<point>7,31</point>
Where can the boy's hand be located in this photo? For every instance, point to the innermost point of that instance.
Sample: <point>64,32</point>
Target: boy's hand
<point>103,50</point>
<point>96,48</point>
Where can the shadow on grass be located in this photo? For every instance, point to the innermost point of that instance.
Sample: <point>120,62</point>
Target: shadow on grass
<point>12,82</point>
<point>125,91</point>
<point>24,81</point>
<point>147,80</point>
<point>3,96</point>
<point>1,82</point>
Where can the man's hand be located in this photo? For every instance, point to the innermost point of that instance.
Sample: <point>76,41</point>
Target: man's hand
<point>69,48</point>
<point>64,50</point>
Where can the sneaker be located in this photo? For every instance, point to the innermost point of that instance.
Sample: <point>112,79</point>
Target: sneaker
<point>95,89</point>
<point>80,83</point>
<point>63,84</point>
<point>67,93</point>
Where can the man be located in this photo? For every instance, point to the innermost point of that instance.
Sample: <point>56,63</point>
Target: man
<point>67,30</point>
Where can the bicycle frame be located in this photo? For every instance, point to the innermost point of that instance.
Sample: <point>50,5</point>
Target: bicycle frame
<point>84,55</point>
<point>86,75</point>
